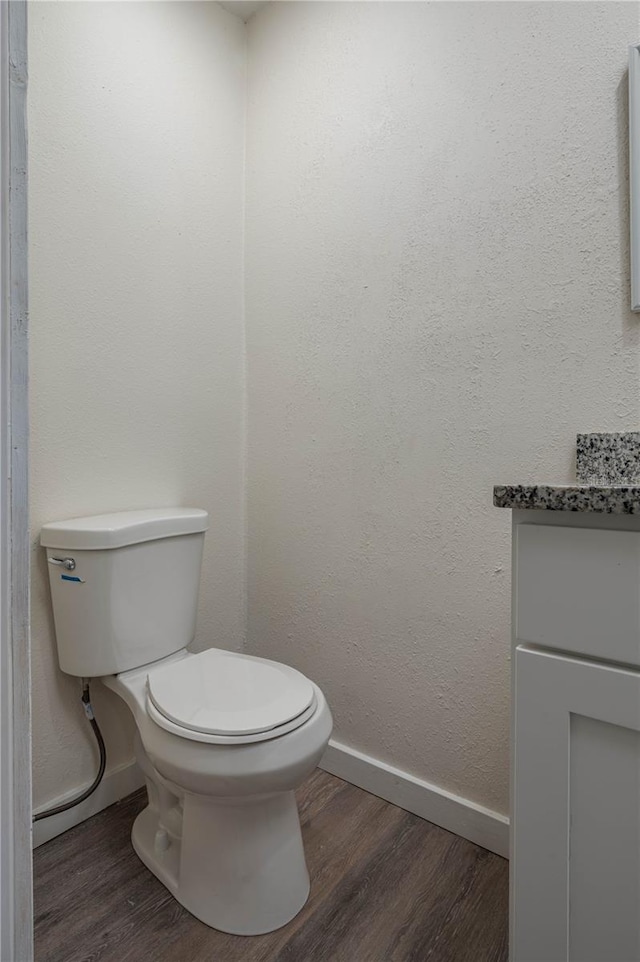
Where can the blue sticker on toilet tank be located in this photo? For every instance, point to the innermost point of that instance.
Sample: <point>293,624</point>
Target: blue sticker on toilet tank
<point>71,578</point>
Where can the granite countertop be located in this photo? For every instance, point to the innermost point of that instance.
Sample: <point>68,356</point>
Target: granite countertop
<point>611,499</point>
<point>608,480</point>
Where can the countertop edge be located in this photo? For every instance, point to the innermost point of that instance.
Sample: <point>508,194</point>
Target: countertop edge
<point>603,499</point>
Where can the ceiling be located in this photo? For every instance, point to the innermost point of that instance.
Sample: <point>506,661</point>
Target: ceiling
<point>242,8</point>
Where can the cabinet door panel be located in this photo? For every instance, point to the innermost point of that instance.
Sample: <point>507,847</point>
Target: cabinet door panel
<point>604,842</point>
<point>576,800</point>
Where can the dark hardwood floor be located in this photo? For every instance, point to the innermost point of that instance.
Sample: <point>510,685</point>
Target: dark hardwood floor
<point>386,886</point>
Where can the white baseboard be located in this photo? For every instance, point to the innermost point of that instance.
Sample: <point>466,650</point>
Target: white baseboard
<point>115,785</point>
<point>456,814</point>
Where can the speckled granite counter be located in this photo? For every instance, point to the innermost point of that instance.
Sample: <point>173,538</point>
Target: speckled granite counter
<point>608,459</point>
<point>609,499</point>
<point>608,473</point>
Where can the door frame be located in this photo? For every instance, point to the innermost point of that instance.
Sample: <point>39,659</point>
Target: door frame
<point>16,883</point>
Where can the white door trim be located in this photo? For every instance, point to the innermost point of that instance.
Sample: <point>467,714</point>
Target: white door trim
<point>16,899</point>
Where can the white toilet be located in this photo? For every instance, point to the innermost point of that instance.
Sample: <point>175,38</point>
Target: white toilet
<point>222,738</point>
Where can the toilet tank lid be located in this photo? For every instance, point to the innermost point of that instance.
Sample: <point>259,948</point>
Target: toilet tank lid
<point>122,528</point>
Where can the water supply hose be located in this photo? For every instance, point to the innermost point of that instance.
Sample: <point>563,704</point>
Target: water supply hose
<point>88,710</point>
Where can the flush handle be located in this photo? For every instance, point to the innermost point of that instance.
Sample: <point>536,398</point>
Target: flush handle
<point>68,563</point>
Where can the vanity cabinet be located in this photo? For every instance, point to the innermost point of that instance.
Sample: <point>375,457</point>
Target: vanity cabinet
<point>575,854</point>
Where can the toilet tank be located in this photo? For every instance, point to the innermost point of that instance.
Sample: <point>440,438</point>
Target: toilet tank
<point>124,587</point>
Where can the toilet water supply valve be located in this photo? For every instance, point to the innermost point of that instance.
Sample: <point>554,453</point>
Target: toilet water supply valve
<point>86,700</point>
<point>88,710</point>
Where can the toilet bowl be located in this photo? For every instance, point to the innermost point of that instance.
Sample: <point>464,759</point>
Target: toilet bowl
<point>221,830</point>
<point>223,739</point>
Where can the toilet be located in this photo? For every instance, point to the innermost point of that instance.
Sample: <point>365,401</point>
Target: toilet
<point>223,739</point>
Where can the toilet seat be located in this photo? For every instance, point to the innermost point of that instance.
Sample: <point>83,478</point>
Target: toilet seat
<point>193,736</point>
<point>224,697</point>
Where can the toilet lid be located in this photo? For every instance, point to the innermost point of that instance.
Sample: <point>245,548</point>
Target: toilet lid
<point>224,693</point>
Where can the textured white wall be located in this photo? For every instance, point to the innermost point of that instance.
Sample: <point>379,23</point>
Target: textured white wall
<point>436,300</point>
<point>136,116</point>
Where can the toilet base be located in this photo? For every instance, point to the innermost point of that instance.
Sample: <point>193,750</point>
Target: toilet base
<point>237,864</point>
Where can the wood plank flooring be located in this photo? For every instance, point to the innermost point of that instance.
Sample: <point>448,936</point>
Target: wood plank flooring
<point>386,886</point>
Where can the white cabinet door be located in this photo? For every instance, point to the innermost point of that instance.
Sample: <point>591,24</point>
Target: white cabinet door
<point>576,807</point>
